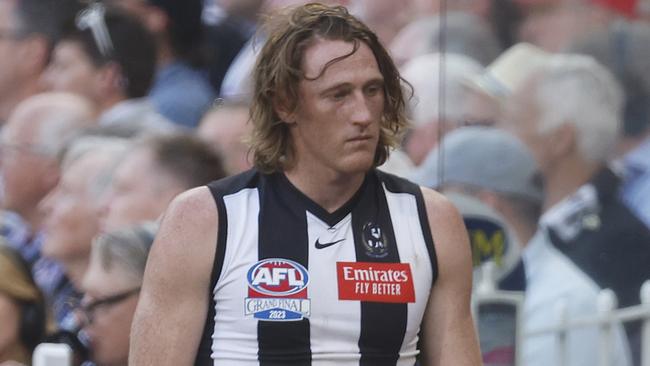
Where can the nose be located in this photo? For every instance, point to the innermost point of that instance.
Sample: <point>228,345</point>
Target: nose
<point>361,113</point>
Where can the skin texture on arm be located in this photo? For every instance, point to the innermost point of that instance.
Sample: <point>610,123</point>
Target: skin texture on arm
<point>448,331</point>
<point>173,303</point>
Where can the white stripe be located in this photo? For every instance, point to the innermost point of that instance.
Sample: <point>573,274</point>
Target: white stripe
<point>235,337</point>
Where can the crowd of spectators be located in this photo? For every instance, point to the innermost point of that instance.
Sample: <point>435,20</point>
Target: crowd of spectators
<point>538,110</point>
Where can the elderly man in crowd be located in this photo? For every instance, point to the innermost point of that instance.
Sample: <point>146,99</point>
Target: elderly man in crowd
<point>568,112</point>
<point>30,141</point>
<point>71,216</point>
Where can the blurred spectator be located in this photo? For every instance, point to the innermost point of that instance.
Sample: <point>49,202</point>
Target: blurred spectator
<point>497,168</point>
<point>158,169</point>
<point>111,286</point>
<point>71,212</point>
<point>30,142</point>
<point>22,309</point>
<point>624,49</point>
<point>181,91</point>
<point>226,37</point>
<point>224,128</point>
<point>108,57</point>
<point>431,115</point>
<point>568,114</point>
<point>460,33</point>
<point>384,17</point>
<point>29,29</point>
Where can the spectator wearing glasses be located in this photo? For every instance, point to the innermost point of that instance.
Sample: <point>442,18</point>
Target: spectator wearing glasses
<point>28,29</point>
<point>111,286</point>
<point>109,57</point>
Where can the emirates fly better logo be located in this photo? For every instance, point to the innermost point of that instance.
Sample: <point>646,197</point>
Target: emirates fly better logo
<point>277,290</point>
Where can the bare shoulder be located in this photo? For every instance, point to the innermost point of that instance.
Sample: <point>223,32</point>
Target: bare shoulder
<point>187,234</point>
<point>441,212</point>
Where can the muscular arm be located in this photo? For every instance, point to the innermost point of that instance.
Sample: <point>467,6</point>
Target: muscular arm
<point>448,332</point>
<point>172,309</point>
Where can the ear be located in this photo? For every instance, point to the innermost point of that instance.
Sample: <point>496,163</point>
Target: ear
<point>562,141</point>
<point>284,111</point>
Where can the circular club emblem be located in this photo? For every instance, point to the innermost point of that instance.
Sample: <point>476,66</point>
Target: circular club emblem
<point>277,277</point>
<point>374,240</point>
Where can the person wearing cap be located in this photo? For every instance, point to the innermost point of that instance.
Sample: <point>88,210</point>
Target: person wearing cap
<point>22,309</point>
<point>567,113</point>
<point>497,168</point>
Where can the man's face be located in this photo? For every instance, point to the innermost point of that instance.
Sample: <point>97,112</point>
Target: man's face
<point>71,70</point>
<point>336,124</point>
<point>28,170</point>
<point>71,209</point>
<point>139,191</point>
<point>109,322</point>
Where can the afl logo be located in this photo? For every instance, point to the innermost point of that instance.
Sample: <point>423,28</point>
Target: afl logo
<point>277,277</point>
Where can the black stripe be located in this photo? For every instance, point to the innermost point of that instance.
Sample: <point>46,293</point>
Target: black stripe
<point>426,232</point>
<point>383,325</point>
<point>203,355</point>
<point>282,234</point>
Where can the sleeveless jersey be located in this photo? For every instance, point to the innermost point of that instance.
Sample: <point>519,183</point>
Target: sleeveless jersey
<point>293,284</point>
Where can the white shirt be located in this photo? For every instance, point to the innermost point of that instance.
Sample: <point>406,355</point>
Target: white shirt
<point>552,277</point>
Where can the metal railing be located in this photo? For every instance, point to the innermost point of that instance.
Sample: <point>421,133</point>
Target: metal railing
<point>608,317</point>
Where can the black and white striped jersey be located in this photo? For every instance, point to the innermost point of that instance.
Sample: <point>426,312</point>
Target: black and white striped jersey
<point>293,284</point>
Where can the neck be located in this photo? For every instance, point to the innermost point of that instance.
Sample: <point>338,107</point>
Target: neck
<point>75,269</point>
<point>565,178</point>
<point>329,190</point>
<point>165,55</point>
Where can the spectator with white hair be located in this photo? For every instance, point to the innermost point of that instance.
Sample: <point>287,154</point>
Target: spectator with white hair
<point>111,288</point>
<point>568,112</point>
<point>31,141</point>
<point>429,115</point>
<point>71,216</point>
<point>623,48</point>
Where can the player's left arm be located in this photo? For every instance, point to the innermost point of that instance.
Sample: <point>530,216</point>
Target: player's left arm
<point>448,331</point>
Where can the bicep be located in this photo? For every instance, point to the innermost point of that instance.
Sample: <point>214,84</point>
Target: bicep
<point>173,303</point>
<point>448,328</point>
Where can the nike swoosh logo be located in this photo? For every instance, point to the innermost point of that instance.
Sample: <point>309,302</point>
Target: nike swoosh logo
<point>325,245</point>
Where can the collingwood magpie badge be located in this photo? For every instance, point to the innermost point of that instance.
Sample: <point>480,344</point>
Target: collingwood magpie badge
<point>374,240</point>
